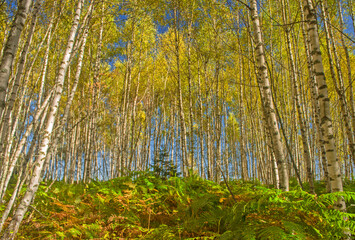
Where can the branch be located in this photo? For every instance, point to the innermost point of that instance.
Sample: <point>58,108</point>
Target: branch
<point>38,211</point>
<point>246,5</point>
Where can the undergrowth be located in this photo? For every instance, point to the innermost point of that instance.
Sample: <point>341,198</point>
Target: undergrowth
<point>145,206</point>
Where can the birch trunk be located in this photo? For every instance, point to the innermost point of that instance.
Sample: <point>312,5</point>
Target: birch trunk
<point>266,95</point>
<point>243,157</point>
<point>325,116</point>
<point>202,126</point>
<point>348,65</point>
<point>18,76</point>
<point>180,98</point>
<point>12,229</point>
<point>15,156</point>
<point>10,48</point>
<point>294,80</point>
<point>19,183</point>
<point>339,86</point>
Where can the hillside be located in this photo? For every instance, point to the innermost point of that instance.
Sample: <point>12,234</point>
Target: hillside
<point>144,206</point>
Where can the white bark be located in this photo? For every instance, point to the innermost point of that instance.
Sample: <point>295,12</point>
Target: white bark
<point>6,138</point>
<point>15,156</point>
<point>266,95</point>
<point>302,123</point>
<point>11,202</point>
<point>325,116</point>
<point>45,141</point>
<point>10,48</point>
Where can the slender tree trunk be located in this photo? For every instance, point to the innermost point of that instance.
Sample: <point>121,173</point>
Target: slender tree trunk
<point>315,100</point>
<point>180,97</point>
<point>201,125</point>
<point>51,29</point>
<point>269,110</point>
<point>339,86</point>
<point>15,156</point>
<point>19,183</point>
<point>191,161</point>
<point>12,229</point>
<point>294,79</point>
<point>243,157</point>
<point>17,80</point>
<point>325,116</point>
<point>10,48</point>
<point>348,65</point>
<point>79,158</point>
<point>217,125</point>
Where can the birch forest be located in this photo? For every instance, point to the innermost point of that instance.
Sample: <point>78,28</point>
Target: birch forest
<point>177,119</point>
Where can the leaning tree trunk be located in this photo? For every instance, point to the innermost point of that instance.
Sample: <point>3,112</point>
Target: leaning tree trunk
<point>266,95</point>
<point>12,229</point>
<point>10,48</point>
<point>325,116</point>
<point>5,145</point>
<point>18,150</point>
<point>12,97</point>
<point>20,181</point>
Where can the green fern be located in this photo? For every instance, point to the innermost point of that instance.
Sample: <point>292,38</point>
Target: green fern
<point>74,232</point>
<point>296,230</point>
<point>273,233</point>
<point>162,232</point>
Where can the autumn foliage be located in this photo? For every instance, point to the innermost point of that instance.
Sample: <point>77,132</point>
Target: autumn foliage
<point>144,206</point>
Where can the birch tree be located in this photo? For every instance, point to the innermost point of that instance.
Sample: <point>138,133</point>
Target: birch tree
<point>266,95</point>
<point>12,229</point>
<point>325,115</point>
<point>11,47</point>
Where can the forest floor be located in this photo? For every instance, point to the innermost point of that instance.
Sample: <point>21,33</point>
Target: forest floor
<point>144,206</point>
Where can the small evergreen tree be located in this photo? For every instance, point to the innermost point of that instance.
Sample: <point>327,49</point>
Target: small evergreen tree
<point>162,167</point>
